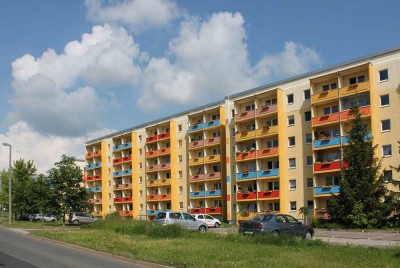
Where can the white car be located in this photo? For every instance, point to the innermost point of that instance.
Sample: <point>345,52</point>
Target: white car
<point>210,220</point>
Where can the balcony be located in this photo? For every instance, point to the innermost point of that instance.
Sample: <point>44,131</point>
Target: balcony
<point>212,141</point>
<point>326,190</point>
<point>122,173</point>
<point>152,183</point>
<point>196,161</point>
<point>246,155</point>
<point>245,215</point>
<point>122,186</point>
<point>325,119</point>
<point>92,166</point>
<point>245,135</point>
<point>196,144</point>
<point>268,152</point>
<point>210,210</point>
<point>266,110</point>
<point>324,97</point>
<point>330,142</point>
<point>152,153</point>
<point>97,213</point>
<point>93,154</point>
<point>197,177</point>
<point>164,136</point>
<point>196,194</point>
<point>245,196</point>
<point>364,111</point>
<point>212,159</point>
<point>152,168</point>
<point>354,89</point>
<point>266,131</point>
<point>151,139</point>
<point>196,127</point>
<point>94,189</point>
<point>95,201</point>
<point>213,123</point>
<point>213,193</point>
<point>122,159</point>
<point>125,213</point>
<point>260,174</point>
<point>164,182</point>
<point>164,166</point>
<point>244,115</point>
<point>122,146</point>
<point>326,166</point>
<point>213,176</point>
<point>123,199</point>
<point>158,197</point>
<point>93,178</point>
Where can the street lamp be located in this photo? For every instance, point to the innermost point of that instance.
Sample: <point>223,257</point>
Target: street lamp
<point>9,185</point>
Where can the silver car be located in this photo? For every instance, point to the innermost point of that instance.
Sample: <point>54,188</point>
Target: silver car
<point>184,219</point>
<point>81,218</point>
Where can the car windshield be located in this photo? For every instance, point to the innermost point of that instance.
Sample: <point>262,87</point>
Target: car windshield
<point>161,215</point>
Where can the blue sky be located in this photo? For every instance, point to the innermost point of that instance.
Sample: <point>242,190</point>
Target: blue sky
<point>75,70</point>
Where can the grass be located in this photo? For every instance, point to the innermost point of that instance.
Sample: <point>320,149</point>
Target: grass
<point>176,247</point>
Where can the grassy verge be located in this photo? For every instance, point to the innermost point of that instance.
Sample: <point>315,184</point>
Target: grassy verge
<point>36,225</point>
<point>179,248</point>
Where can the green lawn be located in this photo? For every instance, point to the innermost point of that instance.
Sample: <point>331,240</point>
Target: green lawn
<point>187,249</point>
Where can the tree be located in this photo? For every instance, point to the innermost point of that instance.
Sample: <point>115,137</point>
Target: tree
<point>396,183</point>
<point>304,211</point>
<point>65,184</point>
<point>364,200</point>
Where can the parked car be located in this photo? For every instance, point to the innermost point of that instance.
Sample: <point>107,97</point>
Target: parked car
<point>210,220</point>
<point>276,224</point>
<point>81,218</point>
<point>184,219</point>
<point>46,218</point>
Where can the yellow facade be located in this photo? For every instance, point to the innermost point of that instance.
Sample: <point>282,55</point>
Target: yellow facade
<point>273,149</point>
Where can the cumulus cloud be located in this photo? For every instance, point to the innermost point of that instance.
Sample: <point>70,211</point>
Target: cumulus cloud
<point>47,90</point>
<point>137,15</point>
<point>43,150</point>
<point>209,60</point>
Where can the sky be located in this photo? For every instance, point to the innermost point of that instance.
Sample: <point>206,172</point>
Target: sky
<point>72,71</point>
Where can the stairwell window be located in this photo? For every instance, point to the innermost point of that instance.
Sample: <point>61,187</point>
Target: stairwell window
<point>292,141</point>
<point>385,100</point>
<point>307,94</point>
<point>293,206</point>
<point>292,162</point>
<point>383,75</point>
<point>307,116</point>
<point>387,150</point>
<point>387,175</point>
<point>385,125</point>
<point>291,120</point>
<point>290,99</point>
<point>292,184</point>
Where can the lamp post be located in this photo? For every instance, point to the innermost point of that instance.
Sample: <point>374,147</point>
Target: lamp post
<point>9,186</point>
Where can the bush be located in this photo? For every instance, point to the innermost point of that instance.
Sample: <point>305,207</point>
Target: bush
<point>166,231</point>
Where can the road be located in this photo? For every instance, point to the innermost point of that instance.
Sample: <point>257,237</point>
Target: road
<point>21,250</point>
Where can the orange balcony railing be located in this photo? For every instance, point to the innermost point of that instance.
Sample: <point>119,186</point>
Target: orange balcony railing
<point>125,213</point>
<point>123,199</point>
<point>266,110</point>
<point>196,144</point>
<point>268,152</point>
<point>244,115</point>
<point>122,159</point>
<point>212,141</point>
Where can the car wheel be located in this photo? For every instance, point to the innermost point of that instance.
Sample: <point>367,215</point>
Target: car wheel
<point>202,229</point>
<point>275,233</point>
<point>76,222</point>
<point>308,235</point>
<point>53,220</point>
<point>216,225</point>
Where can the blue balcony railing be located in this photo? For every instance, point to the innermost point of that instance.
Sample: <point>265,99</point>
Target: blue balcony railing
<point>95,165</point>
<point>213,193</point>
<point>268,173</point>
<point>122,173</point>
<point>335,141</point>
<point>197,194</point>
<point>122,146</point>
<point>257,174</point>
<point>326,190</point>
<point>94,189</point>
<point>212,123</point>
<point>196,127</point>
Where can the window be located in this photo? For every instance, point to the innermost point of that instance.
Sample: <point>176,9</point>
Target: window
<point>140,193</point>
<point>179,128</point>
<point>355,80</point>
<point>385,125</point>
<point>179,143</point>
<point>307,116</point>
<point>272,122</point>
<point>310,204</point>
<point>309,160</point>
<point>383,75</point>
<point>332,180</point>
<point>325,87</point>
<point>310,183</point>
<point>140,138</point>
<point>109,159</point>
<point>308,138</point>
<point>179,159</point>
<point>140,179</point>
<point>387,175</point>
<point>293,206</point>
<point>272,143</point>
<point>387,150</point>
<point>233,112</point>
<point>307,94</point>
<point>290,120</point>
<point>180,205</point>
<point>180,190</point>
<point>180,173</point>
<point>292,141</point>
<point>292,184</point>
<point>140,165</point>
<point>385,100</point>
<point>290,99</point>
<point>292,162</point>
<point>273,185</point>
<point>250,107</point>
<point>270,102</point>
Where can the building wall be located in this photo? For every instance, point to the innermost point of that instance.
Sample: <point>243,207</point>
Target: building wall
<point>101,153</point>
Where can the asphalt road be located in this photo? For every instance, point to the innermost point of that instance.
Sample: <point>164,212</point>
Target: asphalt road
<point>21,250</point>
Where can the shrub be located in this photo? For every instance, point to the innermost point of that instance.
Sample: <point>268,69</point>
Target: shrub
<point>166,231</point>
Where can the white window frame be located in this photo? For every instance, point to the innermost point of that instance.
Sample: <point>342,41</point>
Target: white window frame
<point>292,185</point>
<point>288,120</point>
<point>387,74</point>
<point>287,96</point>
<point>312,183</point>
<point>390,126</point>
<point>292,138</point>
<point>380,100</point>
<point>290,206</point>
<point>383,150</point>
<point>292,167</point>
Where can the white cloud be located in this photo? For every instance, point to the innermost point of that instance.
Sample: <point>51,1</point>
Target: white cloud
<point>294,59</point>
<point>209,60</point>
<point>43,150</point>
<point>48,91</point>
<point>137,15</point>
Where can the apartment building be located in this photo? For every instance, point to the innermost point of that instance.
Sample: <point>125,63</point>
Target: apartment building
<point>275,148</point>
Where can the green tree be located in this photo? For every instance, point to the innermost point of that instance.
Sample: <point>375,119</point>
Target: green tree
<point>304,211</point>
<point>364,200</point>
<point>396,183</point>
<point>65,183</point>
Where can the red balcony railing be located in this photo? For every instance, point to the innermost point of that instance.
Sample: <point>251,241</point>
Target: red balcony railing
<point>212,141</point>
<point>244,115</point>
<point>122,159</point>
<point>125,213</point>
<point>328,166</point>
<point>210,210</point>
<point>197,177</point>
<point>122,199</point>
<point>266,110</point>
<point>362,110</point>
<point>257,195</point>
<point>164,136</point>
<point>196,144</point>
<point>245,155</point>
<point>213,175</point>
